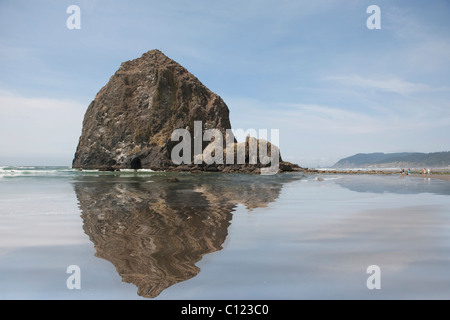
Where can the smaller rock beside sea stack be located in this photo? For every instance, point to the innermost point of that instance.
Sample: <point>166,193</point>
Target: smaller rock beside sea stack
<point>130,122</point>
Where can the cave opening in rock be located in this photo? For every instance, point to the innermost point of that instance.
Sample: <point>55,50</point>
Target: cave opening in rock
<point>136,164</point>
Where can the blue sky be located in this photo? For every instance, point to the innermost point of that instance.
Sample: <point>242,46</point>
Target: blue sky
<point>311,69</point>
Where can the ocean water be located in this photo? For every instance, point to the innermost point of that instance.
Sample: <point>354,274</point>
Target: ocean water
<point>154,235</point>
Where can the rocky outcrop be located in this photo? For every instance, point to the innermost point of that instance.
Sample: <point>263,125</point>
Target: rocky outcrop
<point>130,122</point>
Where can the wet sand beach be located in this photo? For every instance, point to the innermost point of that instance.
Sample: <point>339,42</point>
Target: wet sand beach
<point>433,176</point>
<point>216,236</point>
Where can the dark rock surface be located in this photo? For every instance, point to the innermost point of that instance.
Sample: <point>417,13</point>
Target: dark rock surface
<point>130,122</point>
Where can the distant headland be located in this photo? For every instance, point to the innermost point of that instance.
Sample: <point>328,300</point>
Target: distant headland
<point>437,160</point>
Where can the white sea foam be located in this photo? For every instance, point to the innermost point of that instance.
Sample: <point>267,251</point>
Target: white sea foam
<point>332,178</point>
<point>140,170</point>
<point>9,171</point>
<point>12,171</point>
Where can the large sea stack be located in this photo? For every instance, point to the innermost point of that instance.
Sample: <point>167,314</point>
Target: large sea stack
<point>130,122</point>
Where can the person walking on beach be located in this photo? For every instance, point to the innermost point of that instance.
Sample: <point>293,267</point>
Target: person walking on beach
<point>409,172</point>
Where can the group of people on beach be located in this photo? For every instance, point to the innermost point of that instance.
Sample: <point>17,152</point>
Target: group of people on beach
<point>402,172</point>
<point>424,171</point>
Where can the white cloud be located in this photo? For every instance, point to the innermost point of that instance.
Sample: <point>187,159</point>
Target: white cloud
<point>39,127</point>
<point>332,120</point>
<point>337,119</point>
<point>383,83</point>
<point>11,103</point>
<point>320,134</point>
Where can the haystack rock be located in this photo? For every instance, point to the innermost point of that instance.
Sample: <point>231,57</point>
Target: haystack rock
<point>131,120</point>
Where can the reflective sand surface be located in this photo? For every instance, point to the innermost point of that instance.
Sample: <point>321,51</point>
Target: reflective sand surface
<point>216,236</point>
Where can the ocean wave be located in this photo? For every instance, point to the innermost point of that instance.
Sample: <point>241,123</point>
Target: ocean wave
<point>15,171</point>
<point>132,170</point>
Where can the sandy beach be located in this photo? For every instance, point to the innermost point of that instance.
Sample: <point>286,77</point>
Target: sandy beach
<point>433,176</point>
<point>237,236</point>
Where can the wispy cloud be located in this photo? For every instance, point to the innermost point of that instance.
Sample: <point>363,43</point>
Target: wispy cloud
<point>331,120</point>
<point>39,125</point>
<point>11,103</point>
<point>310,132</point>
<point>384,83</point>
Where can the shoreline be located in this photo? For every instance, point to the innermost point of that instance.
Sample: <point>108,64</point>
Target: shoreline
<point>415,173</point>
<point>285,167</point>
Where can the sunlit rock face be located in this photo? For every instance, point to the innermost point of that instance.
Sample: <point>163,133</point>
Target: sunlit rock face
<point>129,124</point>
<point>131,120</point>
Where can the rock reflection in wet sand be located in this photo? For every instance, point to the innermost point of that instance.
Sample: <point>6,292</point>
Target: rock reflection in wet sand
<point>154,229</point>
